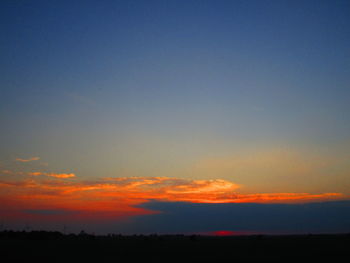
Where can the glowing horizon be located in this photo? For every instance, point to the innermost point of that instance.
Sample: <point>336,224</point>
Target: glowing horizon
<point>120,196</point>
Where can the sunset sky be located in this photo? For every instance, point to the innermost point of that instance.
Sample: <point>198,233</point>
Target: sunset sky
<point>130,116</point>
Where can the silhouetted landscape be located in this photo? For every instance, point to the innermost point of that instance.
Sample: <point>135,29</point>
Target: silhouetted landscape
<point>43,246</point>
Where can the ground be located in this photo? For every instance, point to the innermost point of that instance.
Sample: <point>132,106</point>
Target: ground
<point>40,246</point>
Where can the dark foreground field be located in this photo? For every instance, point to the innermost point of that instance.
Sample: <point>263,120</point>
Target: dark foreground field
<point>39,246</point>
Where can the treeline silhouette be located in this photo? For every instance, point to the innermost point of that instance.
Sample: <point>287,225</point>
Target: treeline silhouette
<point>56,235</point>
<point>46,246</point>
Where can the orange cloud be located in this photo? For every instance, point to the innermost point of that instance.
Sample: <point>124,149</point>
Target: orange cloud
<point>35,173</point>
<point>60,175</point>
<point>27,160</point>
<point>273,198</point>
<point>56,175</point>
<point>150,188</point>
<point>120,197</point>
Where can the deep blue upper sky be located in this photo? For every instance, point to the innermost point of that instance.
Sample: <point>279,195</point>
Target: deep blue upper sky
<point>103,88</point>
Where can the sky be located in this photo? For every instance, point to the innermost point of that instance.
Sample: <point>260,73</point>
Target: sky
<point>116,115</point>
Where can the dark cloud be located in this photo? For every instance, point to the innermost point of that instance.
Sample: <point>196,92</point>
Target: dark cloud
<point>183,217</point>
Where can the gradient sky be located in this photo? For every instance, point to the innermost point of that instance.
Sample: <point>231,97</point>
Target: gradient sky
<point>112,104</point>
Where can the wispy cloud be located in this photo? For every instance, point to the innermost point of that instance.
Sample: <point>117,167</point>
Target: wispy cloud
<point>35,173</point>
<point>27,160</point>
<point>56,175</point>
<point>60,175</point>
<point>112,196</point>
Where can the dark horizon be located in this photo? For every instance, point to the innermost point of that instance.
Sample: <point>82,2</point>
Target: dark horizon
<point>55,247</point>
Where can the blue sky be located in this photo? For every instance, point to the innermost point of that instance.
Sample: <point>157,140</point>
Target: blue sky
<point>253,92</point>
